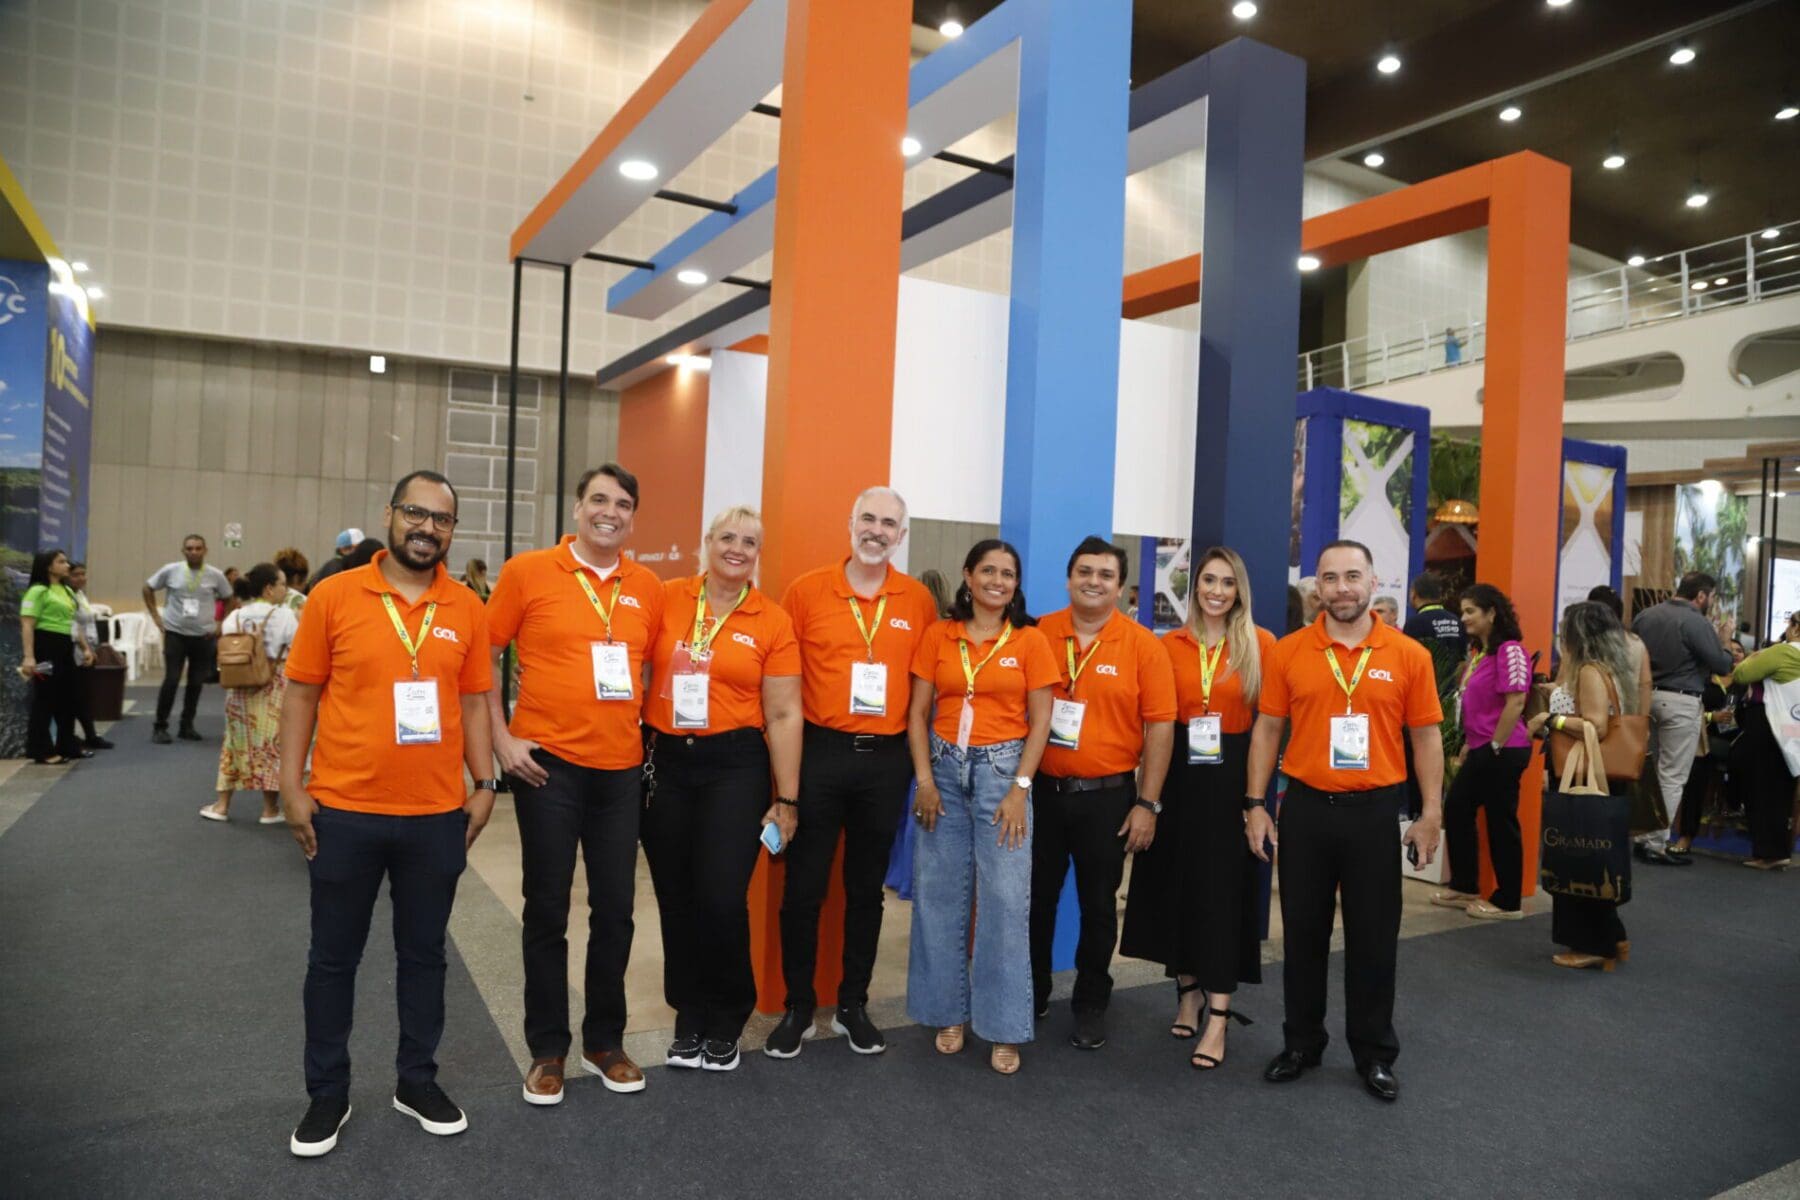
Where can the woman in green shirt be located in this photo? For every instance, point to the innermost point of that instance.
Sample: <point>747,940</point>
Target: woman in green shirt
<point>48,635</point>
<point>1759,773</point>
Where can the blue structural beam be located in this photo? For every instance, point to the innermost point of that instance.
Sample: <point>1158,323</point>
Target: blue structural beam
<point>1250,312</point>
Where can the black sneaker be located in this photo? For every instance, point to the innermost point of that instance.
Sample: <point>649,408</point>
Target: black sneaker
<point>1090,1031</point>
<point>856,1027</point>
<point>427,1104</point>
<point>99,743</point>
<point>719,1055</point>
<point>796,1028</point>
<point>684,1052</point>
<point>1043,1010</point>
<point>318,1131</point>
<point>188,733</point>
<point>160,735</point>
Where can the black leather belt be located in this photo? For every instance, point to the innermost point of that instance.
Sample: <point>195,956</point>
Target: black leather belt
<point>1069,783</point>
<point>862,743</point>
<point>1679,691</point>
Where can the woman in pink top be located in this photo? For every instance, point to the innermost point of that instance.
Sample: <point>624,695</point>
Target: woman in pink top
<point>1496,750</point>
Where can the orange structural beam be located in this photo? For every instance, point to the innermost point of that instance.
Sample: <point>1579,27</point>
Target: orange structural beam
<point>662,439</point>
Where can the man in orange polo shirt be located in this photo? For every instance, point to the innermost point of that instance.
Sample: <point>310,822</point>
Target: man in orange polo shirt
<point>1356,692</point>
<point>580,616</point>
<point>1113,709</point>
<point>858,623</point>
<point>389,664</point>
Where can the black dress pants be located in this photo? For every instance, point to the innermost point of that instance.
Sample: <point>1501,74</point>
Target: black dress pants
<point>701,829</point>
<point>1760,777</point>
<point>1487,780</point>
<point>1083,826</point>
<point>856,786</point>
<point>196,654</point>
<point>421,858</point>
<point>53,698</point>
<point>1348,842</point>
<point>596,811</point>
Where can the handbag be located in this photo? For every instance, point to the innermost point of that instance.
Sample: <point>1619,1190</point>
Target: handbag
<point>1623,748</point>
<point>1782,703</point>
<point>1586,850</point>
<point>244,659</point>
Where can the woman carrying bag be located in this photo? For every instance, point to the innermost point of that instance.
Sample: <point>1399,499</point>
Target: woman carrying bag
<point>250,756</point>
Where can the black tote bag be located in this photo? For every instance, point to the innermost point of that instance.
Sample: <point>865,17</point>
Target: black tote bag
<point>1586,849</point>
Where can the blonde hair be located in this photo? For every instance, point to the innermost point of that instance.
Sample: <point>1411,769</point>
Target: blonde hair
<point>1240,628</point>
<point>731,516</point>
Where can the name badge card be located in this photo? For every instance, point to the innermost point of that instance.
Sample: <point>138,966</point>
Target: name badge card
<point>690,701</point>
<point>416,720</point>
<point>1205,741</point>
<point>612,671</point>
<point>868,689</point>
<point>190,606</point>
<point>965,724</point>
<point>1065,723</point>
<point>1350,741</point>
<point>682,661</point>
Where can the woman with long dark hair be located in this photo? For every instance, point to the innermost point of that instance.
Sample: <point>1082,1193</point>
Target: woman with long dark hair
<point>1496,750</point>
<point>977,726</point>
<point>48,634</point>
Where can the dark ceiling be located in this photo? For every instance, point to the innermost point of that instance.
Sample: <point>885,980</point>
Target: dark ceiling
<point>1568,68</point>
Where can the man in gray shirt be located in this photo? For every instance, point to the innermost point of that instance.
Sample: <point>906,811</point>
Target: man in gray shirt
<point>189,588</point>
<point>1684,649</point>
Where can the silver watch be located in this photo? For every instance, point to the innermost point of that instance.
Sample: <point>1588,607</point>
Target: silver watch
<point>1024,782</point>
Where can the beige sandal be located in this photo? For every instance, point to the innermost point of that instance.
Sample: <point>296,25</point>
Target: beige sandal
<point>1005,1059</point>
<point>1449,899</point>
<point>950,1039</point>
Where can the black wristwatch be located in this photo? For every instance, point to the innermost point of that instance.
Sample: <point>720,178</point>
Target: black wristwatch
<point>786,803</point>
<point>487,785</point>
<point>1154,806</point>
<point>1251,802</point>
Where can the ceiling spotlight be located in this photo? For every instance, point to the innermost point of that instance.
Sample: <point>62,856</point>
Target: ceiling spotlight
<point>1699,285</point>
<point>1615,157</point>
<point>1388,63</point>
<point>1787,112</point>
<point>1721,281</point>
<point>1771,233</point>
<point>1511,112</point>
<point>693,362</point>
<point>1374,158</point>
<point>1682,55</point>
<point>95,293</point>
<point>1557,3</point>
<point>1697,196</point>
<point>690,276</point>
<point>909,146</point>
<point>951,28</point>
<point>79,267</point>
<point>638,169</point>
<point>378,364</point>
<point>1308,262</point>
<point>1636,260</point>
<point>1243,10</point>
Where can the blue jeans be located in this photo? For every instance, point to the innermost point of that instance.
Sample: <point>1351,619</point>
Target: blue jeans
<point>954,863</point>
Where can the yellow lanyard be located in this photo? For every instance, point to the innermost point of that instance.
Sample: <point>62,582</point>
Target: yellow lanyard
<point>612,604</point>
<point>868,635</point>
<point>1337,672</point>
<point>1209,669</point>
<point>962,646</point>
<point>194,578</point>
<point>412,647</point>
<point>1474,661</point>
<point>702,639</point>
<point>1074,670</point>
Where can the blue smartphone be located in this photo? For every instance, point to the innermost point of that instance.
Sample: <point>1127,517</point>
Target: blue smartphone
<point>771,837</point>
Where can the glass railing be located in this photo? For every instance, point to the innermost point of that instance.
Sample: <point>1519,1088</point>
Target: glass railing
<point>1739,270</point>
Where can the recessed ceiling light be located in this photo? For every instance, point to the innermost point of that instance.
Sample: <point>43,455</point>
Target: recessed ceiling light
<point>1697,196</point>
<point>674,360</point>
<point>79,267</point>
<point>378,364</point>
<point>1787,112</point>
<point>95,293</point>
<point>638,169</point>
<point>1374,158</point>
<point>691,276</point>
<point>1557,3</point>
<point>1511,112</point>
<point>1636,260</point>
<point>1771,233</point>
<point>1699,285</point>
<point>951,28</point>
<point>1682,55</point>
<point>909,146</point>
<point>1721,281</point>
<point>1243,10</point>
<point>1308,262</point>
<point>1388,63</point>
<point>1613,162</point>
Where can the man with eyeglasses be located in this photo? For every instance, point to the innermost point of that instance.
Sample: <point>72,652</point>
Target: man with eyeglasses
<point>389,665</point>
<point>580,616</point>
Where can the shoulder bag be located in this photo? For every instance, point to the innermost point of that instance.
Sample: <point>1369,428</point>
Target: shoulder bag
<point>1623,748</point>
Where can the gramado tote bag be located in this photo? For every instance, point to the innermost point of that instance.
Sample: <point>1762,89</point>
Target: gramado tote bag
<point>1587,832</point>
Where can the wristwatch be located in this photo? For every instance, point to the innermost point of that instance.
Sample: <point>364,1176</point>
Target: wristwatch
<point>487,785</point>
<point>1251,802</point>
<point>1155,806</point>
<point>1023,782</point>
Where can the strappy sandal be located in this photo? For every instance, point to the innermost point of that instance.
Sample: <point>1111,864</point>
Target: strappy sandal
<point>950,1039</point>
<point>1005,1059</point>
<point>1580,962</point>
<point>1206,1062</point>
<point>1178,1030</point>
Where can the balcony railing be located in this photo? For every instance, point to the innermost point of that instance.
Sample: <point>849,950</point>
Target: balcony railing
<point>1739,270</point>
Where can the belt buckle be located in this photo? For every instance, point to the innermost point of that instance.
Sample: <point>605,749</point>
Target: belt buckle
<point>862,743</point>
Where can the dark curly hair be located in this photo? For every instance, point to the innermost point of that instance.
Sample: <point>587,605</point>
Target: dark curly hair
<point>1506,621</point>
<point>963,607</point>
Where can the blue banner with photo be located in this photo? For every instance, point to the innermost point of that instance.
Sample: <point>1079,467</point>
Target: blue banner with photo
<point>24,343</point>
<point>68,427</point>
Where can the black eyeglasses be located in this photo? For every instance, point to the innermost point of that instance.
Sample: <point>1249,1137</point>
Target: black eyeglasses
<point>412,514</point>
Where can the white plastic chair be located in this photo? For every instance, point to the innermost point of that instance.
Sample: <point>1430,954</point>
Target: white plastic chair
<point>127,633</point>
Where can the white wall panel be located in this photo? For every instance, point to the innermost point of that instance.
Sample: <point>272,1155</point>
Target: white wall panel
<point>736,407</point>
<point>1153,465</point>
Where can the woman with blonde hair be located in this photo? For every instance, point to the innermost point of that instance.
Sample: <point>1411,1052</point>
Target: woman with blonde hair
<point>1193,900</point>
<point>722,711</point>
<point>475,578</point>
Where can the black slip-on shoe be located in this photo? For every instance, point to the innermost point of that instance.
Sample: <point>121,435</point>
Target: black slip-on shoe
<point>427,1104</point>
<point>317,1133</point>
<point>858,1030</point>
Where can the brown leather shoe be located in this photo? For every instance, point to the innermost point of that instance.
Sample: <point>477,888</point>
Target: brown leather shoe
<point>615,1069</point>
<point>544,1082</point>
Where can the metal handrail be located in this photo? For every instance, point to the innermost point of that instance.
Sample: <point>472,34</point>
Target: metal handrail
<point>1737,270</point>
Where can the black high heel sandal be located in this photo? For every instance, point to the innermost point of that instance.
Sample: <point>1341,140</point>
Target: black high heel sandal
<point>1206,1062</point>
<point>1177,1030</point>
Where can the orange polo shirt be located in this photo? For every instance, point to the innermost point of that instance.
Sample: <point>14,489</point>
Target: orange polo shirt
<point>347,643</point>
<point>1398,691</point>
<point>830,641</point>
<point>539,604</point>
<point>1235,716</point>
<point>1126,684</point>
<point>1023,665</point>
<point>757,640</point>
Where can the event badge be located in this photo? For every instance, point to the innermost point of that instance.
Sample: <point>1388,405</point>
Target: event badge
<point>690,701</point>
<point>416,721</point>
<point>1204,741</point>
<point>612,670</point>
<point>965,724</point>
<point>190,606</point>
<point>1065,723</point>
<point>1350,741</point>
<point>868,689</point>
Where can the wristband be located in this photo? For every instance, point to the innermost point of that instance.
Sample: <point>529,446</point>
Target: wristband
<point>1251,802</point>
<point>1557,723</point>
<point>786,803</point>
<point>487,785</point>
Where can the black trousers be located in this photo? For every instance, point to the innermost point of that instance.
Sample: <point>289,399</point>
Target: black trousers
<point>856,786</point>
<point>1491,781</point>
<point>196,653</point>
<point>421,858</point>
<point>596,811</point>
<point>1759,775</point>
<point>701,828</point>
<point>1083,826</point>
<point>84,703</point>
<point>1348,842</point>
<point>53,697</point>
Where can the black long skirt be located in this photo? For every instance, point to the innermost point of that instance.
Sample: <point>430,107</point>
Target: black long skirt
<point>1195,904</point>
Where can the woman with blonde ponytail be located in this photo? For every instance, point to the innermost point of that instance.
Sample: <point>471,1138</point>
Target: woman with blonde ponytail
<point>1192,905</point>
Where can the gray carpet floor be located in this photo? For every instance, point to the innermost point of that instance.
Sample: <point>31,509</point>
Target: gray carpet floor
<point>150,970</point>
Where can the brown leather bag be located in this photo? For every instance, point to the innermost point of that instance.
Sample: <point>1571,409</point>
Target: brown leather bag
<point>1623,748</point>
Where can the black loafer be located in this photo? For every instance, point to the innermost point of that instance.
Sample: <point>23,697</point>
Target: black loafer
<point>1090,1031</point>
<point>1288,1066</point>
<point>1379,1079</point>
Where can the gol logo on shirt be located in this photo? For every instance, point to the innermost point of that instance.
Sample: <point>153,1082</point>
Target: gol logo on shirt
<point>445,632</point>
<point>1106,669</point>
<point>1009,662</point>
<point>630,602</point>
<point>1383,674</point>
<point>744,639</point>
<point>899,623</point>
